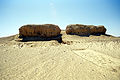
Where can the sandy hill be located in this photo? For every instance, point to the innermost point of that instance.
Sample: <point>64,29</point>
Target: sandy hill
<point>77,58</point>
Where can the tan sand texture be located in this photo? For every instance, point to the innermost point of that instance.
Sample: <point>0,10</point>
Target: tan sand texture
<point>77,58</point>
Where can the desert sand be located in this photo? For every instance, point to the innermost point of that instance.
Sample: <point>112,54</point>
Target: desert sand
<point>77,58</point>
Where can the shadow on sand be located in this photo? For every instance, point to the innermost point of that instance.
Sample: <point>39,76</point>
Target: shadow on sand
<point>78,35</point>
<point>96,34</point>
<point>37,38</point>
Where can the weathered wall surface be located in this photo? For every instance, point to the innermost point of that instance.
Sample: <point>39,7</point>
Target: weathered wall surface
<point>45,30</point>
<point>85,30</point>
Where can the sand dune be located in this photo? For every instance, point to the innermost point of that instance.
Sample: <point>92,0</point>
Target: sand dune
<point>77,58</point>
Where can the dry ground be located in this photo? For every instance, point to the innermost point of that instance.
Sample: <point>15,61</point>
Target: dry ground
<point>77,58</point>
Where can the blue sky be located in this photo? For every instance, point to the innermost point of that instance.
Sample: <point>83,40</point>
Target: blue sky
<point>15,13</point>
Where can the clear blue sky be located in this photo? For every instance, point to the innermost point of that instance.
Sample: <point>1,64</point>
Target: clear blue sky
<point>15,13</point>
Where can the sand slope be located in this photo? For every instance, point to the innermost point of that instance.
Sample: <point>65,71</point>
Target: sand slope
<point>79,58</point>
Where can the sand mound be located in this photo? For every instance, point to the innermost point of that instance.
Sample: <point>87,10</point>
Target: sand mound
<point>77,58</point>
